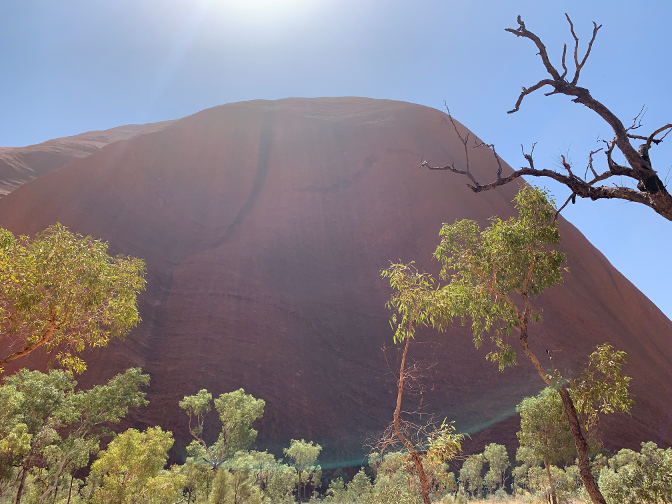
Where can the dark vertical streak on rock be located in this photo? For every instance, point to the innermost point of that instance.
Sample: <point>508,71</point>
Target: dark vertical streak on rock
<point>263,161</point>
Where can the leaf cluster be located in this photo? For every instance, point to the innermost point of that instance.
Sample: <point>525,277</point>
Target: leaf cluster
<point>601,388</point>
<point>488,276</point>
<point>63,291</point>
<point>237,412</point>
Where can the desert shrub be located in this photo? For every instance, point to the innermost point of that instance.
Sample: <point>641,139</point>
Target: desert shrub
<point>644,477</point>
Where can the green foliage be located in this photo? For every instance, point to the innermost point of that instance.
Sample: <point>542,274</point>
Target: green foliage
<point>237,412</point>
<point>275,481</point>
<point>395,481</point>
<point>357,491</point>
<point>498,461</point>
<point>304,456</point>
<point>50,425</point>
<point>198,480</point>
<point>484,272</point>
<point>471,475</point>
<point>565,482</point>
<point>131,470</point>
<point>601,388</point>
<point>444,443</point>
<point>61,291</point>
<point>544,434</point>
<point>234,487</point>
<point>644,477</point>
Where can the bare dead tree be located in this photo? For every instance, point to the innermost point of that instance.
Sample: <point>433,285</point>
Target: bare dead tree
<point>415,437</point>
<point>650,191</point>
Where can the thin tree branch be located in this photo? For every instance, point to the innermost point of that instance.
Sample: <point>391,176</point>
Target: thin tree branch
<point>651,191</point>
<point>526,91</point>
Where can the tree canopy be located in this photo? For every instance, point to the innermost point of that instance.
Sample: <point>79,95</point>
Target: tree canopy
<point>63,292</point>
<point>237,412</point>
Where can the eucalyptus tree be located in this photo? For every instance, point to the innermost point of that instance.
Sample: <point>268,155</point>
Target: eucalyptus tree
<point>304,456</point>
<point>237,412</point>
<point>62,292</point>
<point>498,461</point>
<point>544,431</point>
<point>471,475</point>
<point>490,278</point>
<point>48,424</point>
<point>644,477</point>
<point>86,416</point>
<point>131,470</point>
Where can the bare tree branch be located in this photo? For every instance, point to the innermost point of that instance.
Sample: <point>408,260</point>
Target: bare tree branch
<point>651,191</point>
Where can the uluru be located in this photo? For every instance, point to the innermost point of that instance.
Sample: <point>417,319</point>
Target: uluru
<point>264,226</point>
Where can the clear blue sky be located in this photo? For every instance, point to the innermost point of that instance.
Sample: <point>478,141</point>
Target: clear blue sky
<point>74,65</point>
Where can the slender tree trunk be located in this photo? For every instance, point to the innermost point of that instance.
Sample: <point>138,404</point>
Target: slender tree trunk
<point>574,425</point>
<point>72,478</point>
<point>397,429</point>
<point>19,492</point>
<point>299,494</point>
<point>581,448</point>
<point>554,499</point>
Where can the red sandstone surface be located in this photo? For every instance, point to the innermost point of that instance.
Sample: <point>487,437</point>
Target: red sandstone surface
<point>264,226</point>
<point>18,165</point>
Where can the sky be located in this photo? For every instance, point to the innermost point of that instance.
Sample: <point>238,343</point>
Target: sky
<point>74,65</point>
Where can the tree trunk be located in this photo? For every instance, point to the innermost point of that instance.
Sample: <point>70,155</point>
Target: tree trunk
<point>554,499</point>
<point>72,478</point>
<point>581,448</point>
<point>573,419</point>
<point>24,471</point>
<point>397,429</point>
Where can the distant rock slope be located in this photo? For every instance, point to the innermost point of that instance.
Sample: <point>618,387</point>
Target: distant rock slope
<point>18,165</point>
<point>265,225</point>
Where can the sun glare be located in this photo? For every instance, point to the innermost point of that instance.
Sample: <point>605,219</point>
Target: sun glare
<point>265,12</point>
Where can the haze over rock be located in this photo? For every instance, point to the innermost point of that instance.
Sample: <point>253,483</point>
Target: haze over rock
<point>265,225</point>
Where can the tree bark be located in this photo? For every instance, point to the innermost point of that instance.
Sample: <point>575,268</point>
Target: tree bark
<point>29,348</point>
<point>554,499</point>
<point>24,471</point>
<point>72,478</point>
<point>397,429</point>
<point>581,448</point>
<point>574,425</point>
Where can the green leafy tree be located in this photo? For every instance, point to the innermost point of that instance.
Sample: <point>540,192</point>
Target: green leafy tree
<point>304,456</point>
<point>234,487</point>
<point>53,427</point>
<point>198,480</point>
<point>491,277</point>
<point>498,461</point>
<point>471,475</point>
<point>644,477</point>
<point>237,412</point>
<point>86,416</point>
<point>14,437</point>
<point>63,292</point>
<point>40,399</point>
<point>130,470</point>
<point>274,480</point>
<point>544,431</point>
<point>395,482</point>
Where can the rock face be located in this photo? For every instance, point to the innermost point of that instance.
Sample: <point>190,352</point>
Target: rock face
<point>265,225</point>
<point>18,165</point>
